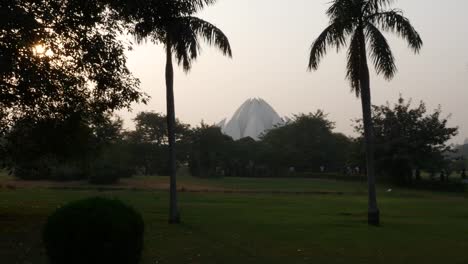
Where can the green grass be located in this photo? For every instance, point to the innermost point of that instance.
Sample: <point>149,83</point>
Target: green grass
<point>418,227</point>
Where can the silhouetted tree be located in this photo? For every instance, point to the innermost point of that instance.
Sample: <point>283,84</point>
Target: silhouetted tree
<point>362,22</point>
<point>59,58</point>
<point>409,139</point>
<point>210,151</point>
<point>35,149</point>
<point>66,149</point>
<point>306,143</point>
<point>180,33</point>
<point>150,142</point>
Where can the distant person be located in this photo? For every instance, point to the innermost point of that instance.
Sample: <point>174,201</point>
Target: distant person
<point>463,173</point>
<point>443,176</point>
<point>349,171</point>
<point>357,170</point>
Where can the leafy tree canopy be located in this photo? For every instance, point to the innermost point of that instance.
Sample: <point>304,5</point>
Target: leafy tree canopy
<point>62,57</point>
<point>210,149</point>
<point>409,138</point>
<point>307,143</point>
<point>151,128</point>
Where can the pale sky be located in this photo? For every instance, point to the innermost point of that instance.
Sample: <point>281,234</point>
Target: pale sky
<point>271,41</point>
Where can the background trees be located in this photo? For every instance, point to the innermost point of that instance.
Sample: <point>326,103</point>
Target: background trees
<point>150,144</point>
<point>211,152</point>
<point>308,143</point>
<point>41,149</point>
<point>409,140</point>
<point>68,149</point>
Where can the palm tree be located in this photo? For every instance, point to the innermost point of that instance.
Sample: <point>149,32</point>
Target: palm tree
<point>180,33</point>
<point>361,22</point>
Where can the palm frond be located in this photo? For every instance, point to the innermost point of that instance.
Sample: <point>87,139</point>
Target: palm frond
<point>184,42</point>
<point>333,36</point>
<point>341,9</point>
<point>210,33</point>
<point>182,7</point>
<point>381,54</point>
<point>185,34</point>
<point>151,15</point>
<point>376,6</point>
<point>199,4</point>
<point>353,67</point>
<point>395,22</point>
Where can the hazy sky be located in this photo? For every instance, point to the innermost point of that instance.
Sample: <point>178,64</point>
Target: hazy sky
<point>271,41</point>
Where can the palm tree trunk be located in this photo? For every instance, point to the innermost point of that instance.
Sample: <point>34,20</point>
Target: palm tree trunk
<point>174,217</point>
<point>373,211</point>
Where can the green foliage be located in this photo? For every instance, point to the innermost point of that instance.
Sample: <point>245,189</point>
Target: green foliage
<point>94,231</point>
<point>70,149</point>
<point>210,151</point>
<point>307,143</point>
<point>107,129</point>
<point>36,169</point>
<point>68,172</point>
<point>113,162</point>
<point>409,138</point>
<point>152,128</point>
<point>149,143</point>
<point>40,149</point>
<point>62,57</point>
<point>104,173</point>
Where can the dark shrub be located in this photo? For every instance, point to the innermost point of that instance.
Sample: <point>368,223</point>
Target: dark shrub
<point>104,174</point>
<point>94,231</point>
<point>39,169</point>
<point>68,172</point>
<point>112,164</point>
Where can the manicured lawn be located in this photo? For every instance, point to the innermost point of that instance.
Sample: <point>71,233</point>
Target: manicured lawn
<point>418,227</point>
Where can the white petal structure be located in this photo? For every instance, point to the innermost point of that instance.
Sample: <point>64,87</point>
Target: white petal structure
<point>253,118</point>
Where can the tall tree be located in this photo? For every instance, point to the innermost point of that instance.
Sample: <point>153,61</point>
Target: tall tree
<point>361,22</point>
<point>180,32</point>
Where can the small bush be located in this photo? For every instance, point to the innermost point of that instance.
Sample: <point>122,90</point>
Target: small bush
<point>104,174</point>
<point>112,164</point>
<point>39,169</point>
<point>49,168</point>
<point>94,231</point>
<point>67,172</point>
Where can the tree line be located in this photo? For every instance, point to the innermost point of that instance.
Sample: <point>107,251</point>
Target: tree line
<point>409,142</point>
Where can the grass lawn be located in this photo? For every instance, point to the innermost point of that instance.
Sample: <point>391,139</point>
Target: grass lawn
<point>327,225</point>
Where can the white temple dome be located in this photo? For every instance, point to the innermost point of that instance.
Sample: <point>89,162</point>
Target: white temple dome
<point>253,118</point>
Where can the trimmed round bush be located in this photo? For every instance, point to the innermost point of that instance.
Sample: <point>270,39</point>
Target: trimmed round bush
<point>94,231</point>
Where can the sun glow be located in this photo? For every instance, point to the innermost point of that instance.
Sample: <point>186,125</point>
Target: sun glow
<point>40,50</point>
